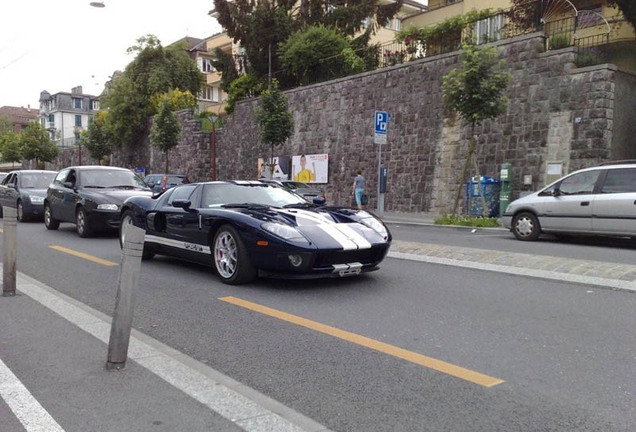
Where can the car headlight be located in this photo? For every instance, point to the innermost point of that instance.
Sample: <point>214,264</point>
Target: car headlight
<point>113,207</point>
<point>376,226</point>
<point>284,231</point>
<point>36,199</point>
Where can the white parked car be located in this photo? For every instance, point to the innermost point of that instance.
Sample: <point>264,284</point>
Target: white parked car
<point>599,200</point>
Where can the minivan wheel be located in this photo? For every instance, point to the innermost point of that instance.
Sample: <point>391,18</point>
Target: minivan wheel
<point>525,226</point>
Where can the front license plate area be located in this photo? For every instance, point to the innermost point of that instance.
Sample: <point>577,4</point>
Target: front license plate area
<point>345,270</point>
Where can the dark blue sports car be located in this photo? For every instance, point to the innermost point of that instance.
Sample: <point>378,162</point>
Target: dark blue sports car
<point>246,229</point>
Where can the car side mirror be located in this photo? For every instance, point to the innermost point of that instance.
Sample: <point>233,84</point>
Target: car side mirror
<point>150,184</point>
<point>182,203</point>
<point>319,200</point>
<point>556,192</point>
<point>68,185</point>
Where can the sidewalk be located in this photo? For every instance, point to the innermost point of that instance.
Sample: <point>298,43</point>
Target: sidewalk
<point>53,352</point>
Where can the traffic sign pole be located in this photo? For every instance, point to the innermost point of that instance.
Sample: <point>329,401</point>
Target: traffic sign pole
<point>381,120</point>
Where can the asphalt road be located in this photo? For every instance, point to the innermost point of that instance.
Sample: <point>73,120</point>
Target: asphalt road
<point>605,249</point>
<point>566,353</point>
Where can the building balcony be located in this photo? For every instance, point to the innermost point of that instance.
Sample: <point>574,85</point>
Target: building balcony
<point>212,78</point>
<point>49,125</point>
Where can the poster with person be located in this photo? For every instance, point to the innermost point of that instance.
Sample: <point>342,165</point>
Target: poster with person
<point>311,168</point>
<point>282,165</point>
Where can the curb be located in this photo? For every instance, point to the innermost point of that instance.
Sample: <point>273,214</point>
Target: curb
<point>458,227</point>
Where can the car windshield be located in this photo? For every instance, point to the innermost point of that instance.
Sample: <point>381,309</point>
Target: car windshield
<point>224,194</point>
<point>105,178</point>
<point>36,180</point>
<point>297,185</point>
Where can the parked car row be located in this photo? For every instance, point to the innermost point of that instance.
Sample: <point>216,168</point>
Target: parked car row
<point>243,229</point>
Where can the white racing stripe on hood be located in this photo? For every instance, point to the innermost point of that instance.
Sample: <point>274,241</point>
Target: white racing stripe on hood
<point>348,238</point>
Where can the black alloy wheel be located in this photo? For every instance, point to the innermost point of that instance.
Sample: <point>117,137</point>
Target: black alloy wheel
<point>81,223</point>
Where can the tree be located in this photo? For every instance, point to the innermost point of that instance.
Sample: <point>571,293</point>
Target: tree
<point>97,139</point>
<point>165,130</point>
<point>36,144</point>
<point>243,87</point>
<point>628,7</point>
<point>273,117</point>
<point>155,70</point>
<point>475,91</point>
<point>319,53</point>
<point>177,99</point>
<point>6,125</point>
<point>261,26</point>
<point>10,147</point>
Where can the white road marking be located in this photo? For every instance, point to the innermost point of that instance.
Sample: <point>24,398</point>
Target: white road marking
<point>520,271</point>
<point>26,408</point>
<point>245,407</point>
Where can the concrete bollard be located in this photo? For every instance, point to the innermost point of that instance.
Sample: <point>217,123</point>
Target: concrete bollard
<point>10,251</point>
<point>125,300</point>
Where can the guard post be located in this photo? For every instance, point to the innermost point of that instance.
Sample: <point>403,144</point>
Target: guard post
<point>505,176</point>
<point>9,253</point>
<point>132,250</point>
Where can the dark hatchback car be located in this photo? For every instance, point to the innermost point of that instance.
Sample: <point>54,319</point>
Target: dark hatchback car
<point>162,182</point>
<point>90,197</point>
<point>25,190</point>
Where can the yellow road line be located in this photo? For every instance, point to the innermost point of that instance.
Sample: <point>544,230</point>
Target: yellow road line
<point>422,360</point>
<point>84,256</point>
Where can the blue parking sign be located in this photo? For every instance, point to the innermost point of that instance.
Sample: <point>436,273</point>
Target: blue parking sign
<point>381,120</point>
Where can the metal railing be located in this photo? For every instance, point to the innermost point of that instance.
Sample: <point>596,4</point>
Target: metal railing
<point>592,50</point>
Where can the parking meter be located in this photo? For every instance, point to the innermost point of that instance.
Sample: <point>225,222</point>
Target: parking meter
<point>383,179</point>
<point>504,196</point>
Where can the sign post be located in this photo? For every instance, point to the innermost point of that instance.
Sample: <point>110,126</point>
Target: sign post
<point>381,121</point>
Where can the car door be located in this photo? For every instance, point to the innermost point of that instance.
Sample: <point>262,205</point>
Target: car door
<point>182,228</point>
<point>6,186</point>
<point>61,198</point>
<point>614,208</point>
<point>570,207</point>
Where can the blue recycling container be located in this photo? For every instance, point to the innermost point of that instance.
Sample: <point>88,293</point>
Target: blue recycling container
<point>491,188</point>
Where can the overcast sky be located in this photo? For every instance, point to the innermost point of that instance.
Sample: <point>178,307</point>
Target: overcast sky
<point>55,45</point>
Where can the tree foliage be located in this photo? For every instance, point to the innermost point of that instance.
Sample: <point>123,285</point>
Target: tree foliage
<point>319,53</point>
<point>36,144</point>
<point>263,25</point>
<point>628,7</point>
<point>97,139</point>
<point>165,130</point>
<point>243,87</point>
<point>224,63</point>
<point>273,116</point>
<point>10,147</point>
<point>475,91</point>
<point>175,98</point>
<point>6,125</point>
<point>154,71</point>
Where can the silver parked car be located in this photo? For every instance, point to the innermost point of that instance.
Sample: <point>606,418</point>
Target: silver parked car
<point>599,200</point>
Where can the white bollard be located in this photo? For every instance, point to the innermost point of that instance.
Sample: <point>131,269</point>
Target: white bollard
<point>125,301</point>
<point>9,253</point>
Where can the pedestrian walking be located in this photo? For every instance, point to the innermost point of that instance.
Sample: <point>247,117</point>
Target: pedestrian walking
<point>357,189</point>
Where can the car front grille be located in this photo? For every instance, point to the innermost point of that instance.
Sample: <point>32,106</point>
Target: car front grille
<point>364,256</point>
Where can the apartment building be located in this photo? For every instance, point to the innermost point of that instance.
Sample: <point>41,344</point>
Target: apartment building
<point>66,115</point>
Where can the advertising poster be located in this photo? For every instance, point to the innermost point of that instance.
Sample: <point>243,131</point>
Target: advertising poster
<point>282,166</point>
<point>310,168</point>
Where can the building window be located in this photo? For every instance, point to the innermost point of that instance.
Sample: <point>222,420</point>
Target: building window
<point>205,65</point>
<point>206,93</point>
<point>78,120</point>
<point>77,103</point>
<point>51,118</point>
<point>95,105</point>
<point>488,30</point>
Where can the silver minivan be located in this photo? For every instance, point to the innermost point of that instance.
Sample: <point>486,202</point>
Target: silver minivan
<point>600,200</point>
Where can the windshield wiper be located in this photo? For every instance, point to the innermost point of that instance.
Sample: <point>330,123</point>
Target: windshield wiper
<point>123,187</point>
<point>94,187</point>
<point>299,205</point>
<point>245,205</point>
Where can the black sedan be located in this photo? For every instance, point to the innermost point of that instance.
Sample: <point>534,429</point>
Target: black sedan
<point>246,229</point>
<point>91,197</point>
<point>25,190</point>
